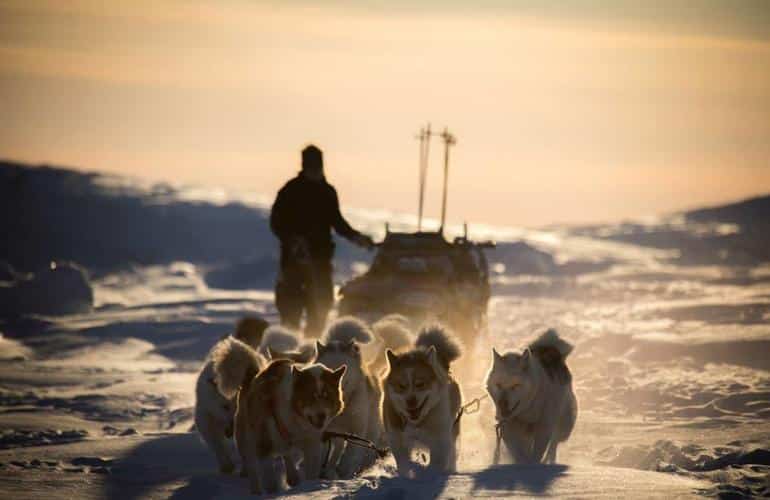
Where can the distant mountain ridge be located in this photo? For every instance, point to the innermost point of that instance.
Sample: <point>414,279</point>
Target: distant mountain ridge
<point>747,212</point>
<point>51,213</point>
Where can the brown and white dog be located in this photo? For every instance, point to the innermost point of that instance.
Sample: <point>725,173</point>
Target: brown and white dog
<point>421,401</point>
<point>281,412</point>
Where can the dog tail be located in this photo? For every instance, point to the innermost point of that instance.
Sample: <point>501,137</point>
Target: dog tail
<point>394,333</point>
<point>551,339</point>
<point>251,330</point>
<point>447,346</point>
<point>346,329</point>
<point>302,355</point>
<point>279,338</point>
<point>235,365</point>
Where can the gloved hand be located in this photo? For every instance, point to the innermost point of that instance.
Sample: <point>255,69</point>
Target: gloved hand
<point>364,241</point>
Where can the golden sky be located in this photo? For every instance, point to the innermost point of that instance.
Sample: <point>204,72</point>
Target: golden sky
<point>564,111</point>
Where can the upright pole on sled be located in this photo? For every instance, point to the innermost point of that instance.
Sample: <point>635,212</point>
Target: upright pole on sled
<point>424,137</point>
<point>449,140</point>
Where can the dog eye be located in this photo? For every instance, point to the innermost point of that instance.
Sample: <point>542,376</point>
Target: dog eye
<point>419,385</point>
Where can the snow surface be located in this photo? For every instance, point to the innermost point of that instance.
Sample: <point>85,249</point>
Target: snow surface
<point>671,364</point>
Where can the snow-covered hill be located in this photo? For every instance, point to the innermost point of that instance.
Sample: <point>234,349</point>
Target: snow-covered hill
<point>670,366</point>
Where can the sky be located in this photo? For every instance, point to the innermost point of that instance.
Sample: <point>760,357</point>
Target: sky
<point>565,112</point>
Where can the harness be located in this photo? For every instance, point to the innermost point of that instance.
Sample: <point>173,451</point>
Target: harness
<point>499,433</point>
<point>353,439</point>
<point>470,408</point>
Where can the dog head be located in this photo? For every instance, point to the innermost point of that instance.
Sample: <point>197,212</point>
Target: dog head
<point>511,382</point>
<point>414,382</point>
<point>336,354</point>
<point>317,394</point>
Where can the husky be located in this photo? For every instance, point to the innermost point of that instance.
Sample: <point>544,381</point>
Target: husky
<point>339,347</point>
<point>390,332</point>
<point>535,404</point>
<point>214,412</point>
<point>281,413</point>
<point>422,401</point>
<point>279,342</point>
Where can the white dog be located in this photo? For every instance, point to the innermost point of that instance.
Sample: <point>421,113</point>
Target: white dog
<point>422,401</point>
<point>214,412</point>
<point>361,392</point>
<point>532,391</point>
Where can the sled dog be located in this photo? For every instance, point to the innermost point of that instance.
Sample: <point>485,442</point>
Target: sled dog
<point>281,412</point>
<point>535,405</point>
<point>339,347</point>
<point>214,412</point>
<point>421,401</point>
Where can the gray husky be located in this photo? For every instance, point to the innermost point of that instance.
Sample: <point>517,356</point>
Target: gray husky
<point>339,347</point>
<point>421,401</point>
<point>535,403</point>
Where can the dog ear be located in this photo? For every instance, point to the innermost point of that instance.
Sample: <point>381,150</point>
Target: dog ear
<point>496,358</point>
<point>391,357</point>
<point>319,348</point>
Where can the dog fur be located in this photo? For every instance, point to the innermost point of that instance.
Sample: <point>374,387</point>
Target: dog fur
<point>214,412</point>
<point>535,403</point>
<point>340,347</point>
<point>422,400</point>
<point>279,342</point>
<point>390,332</point>
<point>281,413</point>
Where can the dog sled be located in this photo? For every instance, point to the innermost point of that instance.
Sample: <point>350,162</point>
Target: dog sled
<point>422,275</point>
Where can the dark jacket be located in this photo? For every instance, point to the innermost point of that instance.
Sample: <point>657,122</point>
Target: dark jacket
<point>310,210</point>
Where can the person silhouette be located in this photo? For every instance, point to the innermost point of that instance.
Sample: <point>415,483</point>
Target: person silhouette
<point>305,211</point>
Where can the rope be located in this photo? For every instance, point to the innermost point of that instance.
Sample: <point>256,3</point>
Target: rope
<point>471,407</point>
<point>466,408</point>
<point>499,437</point>
<point>499,433</point>
<point>354,440</point>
